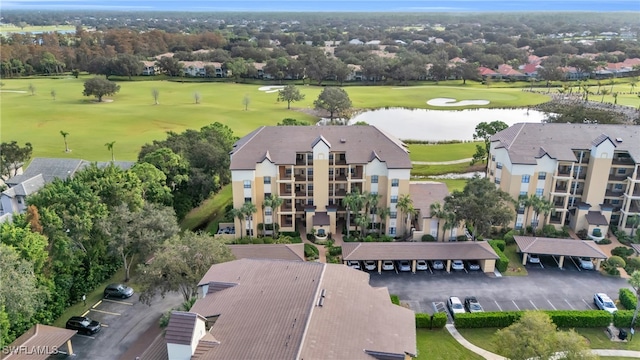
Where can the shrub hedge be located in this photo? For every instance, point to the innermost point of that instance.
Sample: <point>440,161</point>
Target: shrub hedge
<point>311,250</point>
<point>561,318</point>
<point>426,321</point>
<point>622,318</point>
<point>423,321</point>
<point>627,299</point>
<point>439,320</point>
<point>503,262</point>
<point>499,243</point>
<point>395,299</point>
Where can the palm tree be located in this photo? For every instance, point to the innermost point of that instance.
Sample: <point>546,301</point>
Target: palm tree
<point>383,214</point>
<point>363,221</point>
<point>276,202</point>
<point>604,93</point>
<point>438,212</point>
<point>64,136</point>
<point>248,209</point>
<point>352,202</point>
<point>237,213</point>
<point>634,281</point>
<point>544,207</point>
<point>633,82</point>
<point>109,146</point>
<point>405,204</point>
<point>599,86</point>
<point>528,202</point>
<point>615,98</point>
<point>266,203</point>
<point>370,202</point>
<point>634,221</point>
<point>449,223</point>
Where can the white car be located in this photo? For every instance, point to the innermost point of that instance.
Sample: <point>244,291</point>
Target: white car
<point>422,265</point>
<point>437,265</point>
<point>473,265</point>
<point>404,265</point>
<point>455,306</point>
<point>387,265</point>
<point>534,259</point>
<point>457,265</point>
<point>586,263</point>
<point>604,302</point>
<point>353,264</point>
<point>370,265</point>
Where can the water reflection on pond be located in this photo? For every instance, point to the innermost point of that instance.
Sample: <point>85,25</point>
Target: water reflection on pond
<point>438,125</point>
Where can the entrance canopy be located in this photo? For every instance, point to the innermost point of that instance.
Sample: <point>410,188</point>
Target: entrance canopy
<point>477,250</point>
<point>563,247</point>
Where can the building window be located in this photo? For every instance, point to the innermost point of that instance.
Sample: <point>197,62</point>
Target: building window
<point>523,193</point>
<point>393,215</point>
<point>267,195</point>
<point>394,199</point>
<point>331,172</point>
<point>392,231</point>
<point>542,175</point>
<point>373,210</point>
<point>374,193</point>
<point>497,180</point>
<point>518,225</point>
<point>310,202</point>
<point>539,192</point>
<point>310,187</point>
<point>331,157</point>
<point>310,172</point>
<point>395,182</point>
<point>498,165</point>
<point>374,179</point>
<point>622,171</point>
<point>525,179</point>
<point>247,184</point>
<point>267,180</point>
<point>287,172</point>
<point>617,186</point>
<point>268,211</point>
<point>615,202</point>
<point>247,199</point>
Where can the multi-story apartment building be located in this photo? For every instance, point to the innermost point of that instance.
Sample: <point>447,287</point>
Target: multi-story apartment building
<point>312,168</point>
<point>589,172</point>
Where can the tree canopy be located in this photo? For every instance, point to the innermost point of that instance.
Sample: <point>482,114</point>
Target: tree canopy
<point>483,132</point>
<point>334,100</point>
<point>12,156</point>
<point>290,94</point>
<point>99,88</point>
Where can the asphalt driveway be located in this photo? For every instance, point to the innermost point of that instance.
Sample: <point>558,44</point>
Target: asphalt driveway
<point>545,288</point>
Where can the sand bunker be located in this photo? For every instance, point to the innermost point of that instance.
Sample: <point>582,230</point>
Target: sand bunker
<point>271,89</point>
<point>453,102</point>
<point>14,91</point>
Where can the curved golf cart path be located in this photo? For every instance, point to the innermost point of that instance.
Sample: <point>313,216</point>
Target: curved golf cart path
<point>459,161</point>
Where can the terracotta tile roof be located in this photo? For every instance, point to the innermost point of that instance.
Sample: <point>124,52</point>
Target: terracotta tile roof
<point>269,251</point>
<point>552,246</point>
<point>282,143</point>
<point>485,71</point>
<point>425,194</point>
<point>37,338</point>
<point>524,140</point>
<point>476,250</point>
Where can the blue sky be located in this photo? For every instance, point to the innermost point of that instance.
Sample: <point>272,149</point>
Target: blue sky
<point>329,5</point>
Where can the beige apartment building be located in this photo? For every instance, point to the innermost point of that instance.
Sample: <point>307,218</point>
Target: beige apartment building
<point>589,172</point>
<point>312,168</point>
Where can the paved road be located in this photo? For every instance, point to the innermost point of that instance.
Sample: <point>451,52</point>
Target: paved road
<point>126,320</point>
<point>546,288</point>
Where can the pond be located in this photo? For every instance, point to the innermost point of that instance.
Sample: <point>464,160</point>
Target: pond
<point>440,125</point>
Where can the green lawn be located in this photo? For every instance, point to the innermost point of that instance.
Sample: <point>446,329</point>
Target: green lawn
<point>430,170</point>
<point>442,152</point>
<point>132,119</point>
<point>439,344</point>
<point>211,211</point>
<point>49,28</point>
<point>515,262</point>
<point>452,184</point>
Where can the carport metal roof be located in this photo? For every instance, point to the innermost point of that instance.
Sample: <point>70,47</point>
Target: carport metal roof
<point>553,246</point>
<point>42,337</point>
<point>479,250</point>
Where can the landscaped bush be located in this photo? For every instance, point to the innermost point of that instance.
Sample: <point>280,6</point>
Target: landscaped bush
<point>292,234</point>
<point>423,321</point>
<point>622,318</point>
<point>244,240</point>
<point>503,262</point>
<point>335,250</point>
<point>257,241</point>
<point>627,299</point>
<point>579,318</point>
<point>268,240</point>
<point>395,299</point>
<point>582,234</point>
<point>508,238</point>
<point>499,243</point>
<point>604,242</point>
<point>311,251</point>
<point>462,238</point>
<point>622,251</point>
<point>489,319</point>
<point>633,264</point>
<point>439,320</point>
<point>311,237</point>
<point>616,262</point>
<point>428,237</point>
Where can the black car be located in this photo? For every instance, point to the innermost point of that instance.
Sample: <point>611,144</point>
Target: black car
<point>472,305</point>
<point>118,291</point>
<point>83,325</point>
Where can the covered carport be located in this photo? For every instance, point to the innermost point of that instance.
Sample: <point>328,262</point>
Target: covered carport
<point>412,251</point>
<point>559,247</point>
<point>39,343</point>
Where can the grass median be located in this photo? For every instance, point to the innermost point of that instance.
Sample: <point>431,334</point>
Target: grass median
<point>440,345</point>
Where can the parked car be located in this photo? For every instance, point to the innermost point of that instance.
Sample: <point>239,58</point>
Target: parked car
<point>534,259</point>
<point>437,265</point>
<point>457,265</point>
<point>370,265</point>
<point>387,265</point>
<point>353,264</point>
<point>83,325</point>
<point>422,265</point>
<point>586,263</point>
<point>473,265</point>
<point>404,265</point>
<point>472,305</point>
<point>604,302</point>
<point>455,306</point>
<point>118,291</point>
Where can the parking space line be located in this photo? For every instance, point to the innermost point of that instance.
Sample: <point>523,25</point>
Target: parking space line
<point>534,305</point>
<point>568,303</point>
<point>119,302</point>
<point>514,303</point>
<point>96,304</point>
<point>589,305</point>
<point>85,313</point>
<point>106,312</point>
<point>87,336</point>
<point>104,325</point>
<point>498,305</point>
<point>554,308</point>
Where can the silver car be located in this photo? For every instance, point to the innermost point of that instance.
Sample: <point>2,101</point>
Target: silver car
<point>437,265</point>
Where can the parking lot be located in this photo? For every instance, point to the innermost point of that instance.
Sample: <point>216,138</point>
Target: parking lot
<point>123,321</point>
<point>545,288</point>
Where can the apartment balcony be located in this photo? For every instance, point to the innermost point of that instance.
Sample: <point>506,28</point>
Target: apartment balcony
<point>301,161</point>
<point>622,161</point>
<point>563,174</point>
<point>338,161</point>
<point>581,176</point>
<point>617,178</point>
<point>555,221</point>
<point>561,189</point>
<point>340,178</point>
<point>284,192</point>
<point>304,193</point>
<point>340,192</point>
<point>613,193</point>
<point>286,208</point>
<point>300,178</point>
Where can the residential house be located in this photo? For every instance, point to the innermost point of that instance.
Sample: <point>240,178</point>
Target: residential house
<point>277,309</point>
<point>150,68</point>
<point>356,73</point>
<point>313,168</point>
<point>260,73</point>
<point>485,73</point>
<point>507,72</point>
<point>571,73</point>
<point>589,172</point>
<point>199,69</point>
<point>356,42</point>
